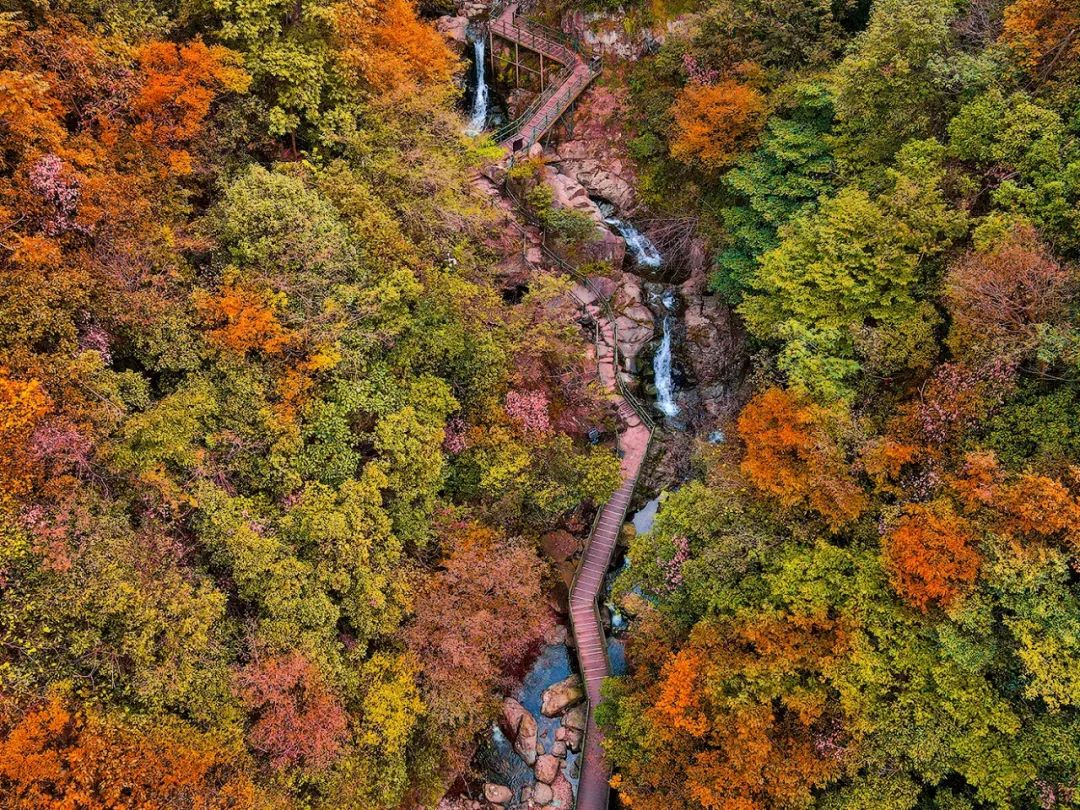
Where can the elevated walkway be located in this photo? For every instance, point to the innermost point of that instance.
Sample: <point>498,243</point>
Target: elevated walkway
<point>577,70</point>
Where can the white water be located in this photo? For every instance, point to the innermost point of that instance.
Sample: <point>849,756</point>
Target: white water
<point>665,386</point>
<point>480,102</point>
<point>644,252</point>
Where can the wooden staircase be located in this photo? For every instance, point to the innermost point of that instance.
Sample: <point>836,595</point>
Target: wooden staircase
<point>576,74</point>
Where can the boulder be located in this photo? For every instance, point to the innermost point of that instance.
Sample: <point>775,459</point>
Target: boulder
<point>547,768</point>
<point>561,696</point>
<point>519,726</point>
<point>542,794</point>
<point>575,718</point>
<point>556,635</point>
<point>455,30</point>
<point>636,330</point>
<point>498,794</point>
<point>559,545</point>
<point>573,739</point>
<point>558,749</point>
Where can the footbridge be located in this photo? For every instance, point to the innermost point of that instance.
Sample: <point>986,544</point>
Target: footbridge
<point>574,69</point>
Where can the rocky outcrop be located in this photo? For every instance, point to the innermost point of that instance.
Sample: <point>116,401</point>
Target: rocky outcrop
<point>561,696</point>
<point>454,30</point>
<point>606,176</point>
<point>519,726</point>
<point>714,348</point>
<point>569,194</point>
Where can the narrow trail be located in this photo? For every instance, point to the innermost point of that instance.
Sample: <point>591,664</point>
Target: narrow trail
<point>634,438</point>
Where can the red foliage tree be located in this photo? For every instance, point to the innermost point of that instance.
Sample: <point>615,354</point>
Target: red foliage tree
<point>998,298</point>
<point>298,720</point>
<point>476,617</point>
<point>931,554</point>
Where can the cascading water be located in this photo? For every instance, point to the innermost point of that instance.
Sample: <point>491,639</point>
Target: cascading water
<point>665,386</point>
<point>478,121</point>
<point>644,252</point>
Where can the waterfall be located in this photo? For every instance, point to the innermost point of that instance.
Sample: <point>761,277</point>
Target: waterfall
<point>665,387</point>
<point>644,252</point>
<point>478,121</point>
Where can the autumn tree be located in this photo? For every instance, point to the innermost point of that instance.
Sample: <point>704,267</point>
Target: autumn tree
<point>932,555</point>
<point>475,617</point>
<point>1042,32</point>
<point>713,122</point>
<point>22,405</point>
<point>791,455</point>
<point>1002,298</point>
<point>55,756</point>
<point>298,721</point>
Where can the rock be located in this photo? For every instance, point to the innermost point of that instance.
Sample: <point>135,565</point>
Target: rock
<point>563,792</point>
<point>575,718</point>
<point>556,635</point>
<point>561,696</point>
<point>547,768</point>
<point>454,29</point>
<point>498,794</point>
<point>558,749</point>
<point>573,739</point>
<point>536,150</point>
<point>542,794</point>
<point>519,726</point>
<point>527,794</point>
<point>560,734</point>
<point>539,748</point>
<point>559,545</point>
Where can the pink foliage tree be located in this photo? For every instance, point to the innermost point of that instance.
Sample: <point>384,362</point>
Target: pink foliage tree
<point>529,410</point>
<point>299,722</point>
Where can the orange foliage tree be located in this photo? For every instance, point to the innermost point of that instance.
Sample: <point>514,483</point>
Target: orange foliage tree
<point>22,405</point>
<point>242,319</point>
<point>931,554</point>
<point>791,456</point>
<point>384,46</point>
<point>180,82</point>
<point>1043,30</point>
<point>713,122</point>
<point>740,718</point>
<point>57,758</point>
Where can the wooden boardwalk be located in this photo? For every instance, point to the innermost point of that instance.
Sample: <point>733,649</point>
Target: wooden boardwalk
<point>634,438</point>
<point>555,100</point>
